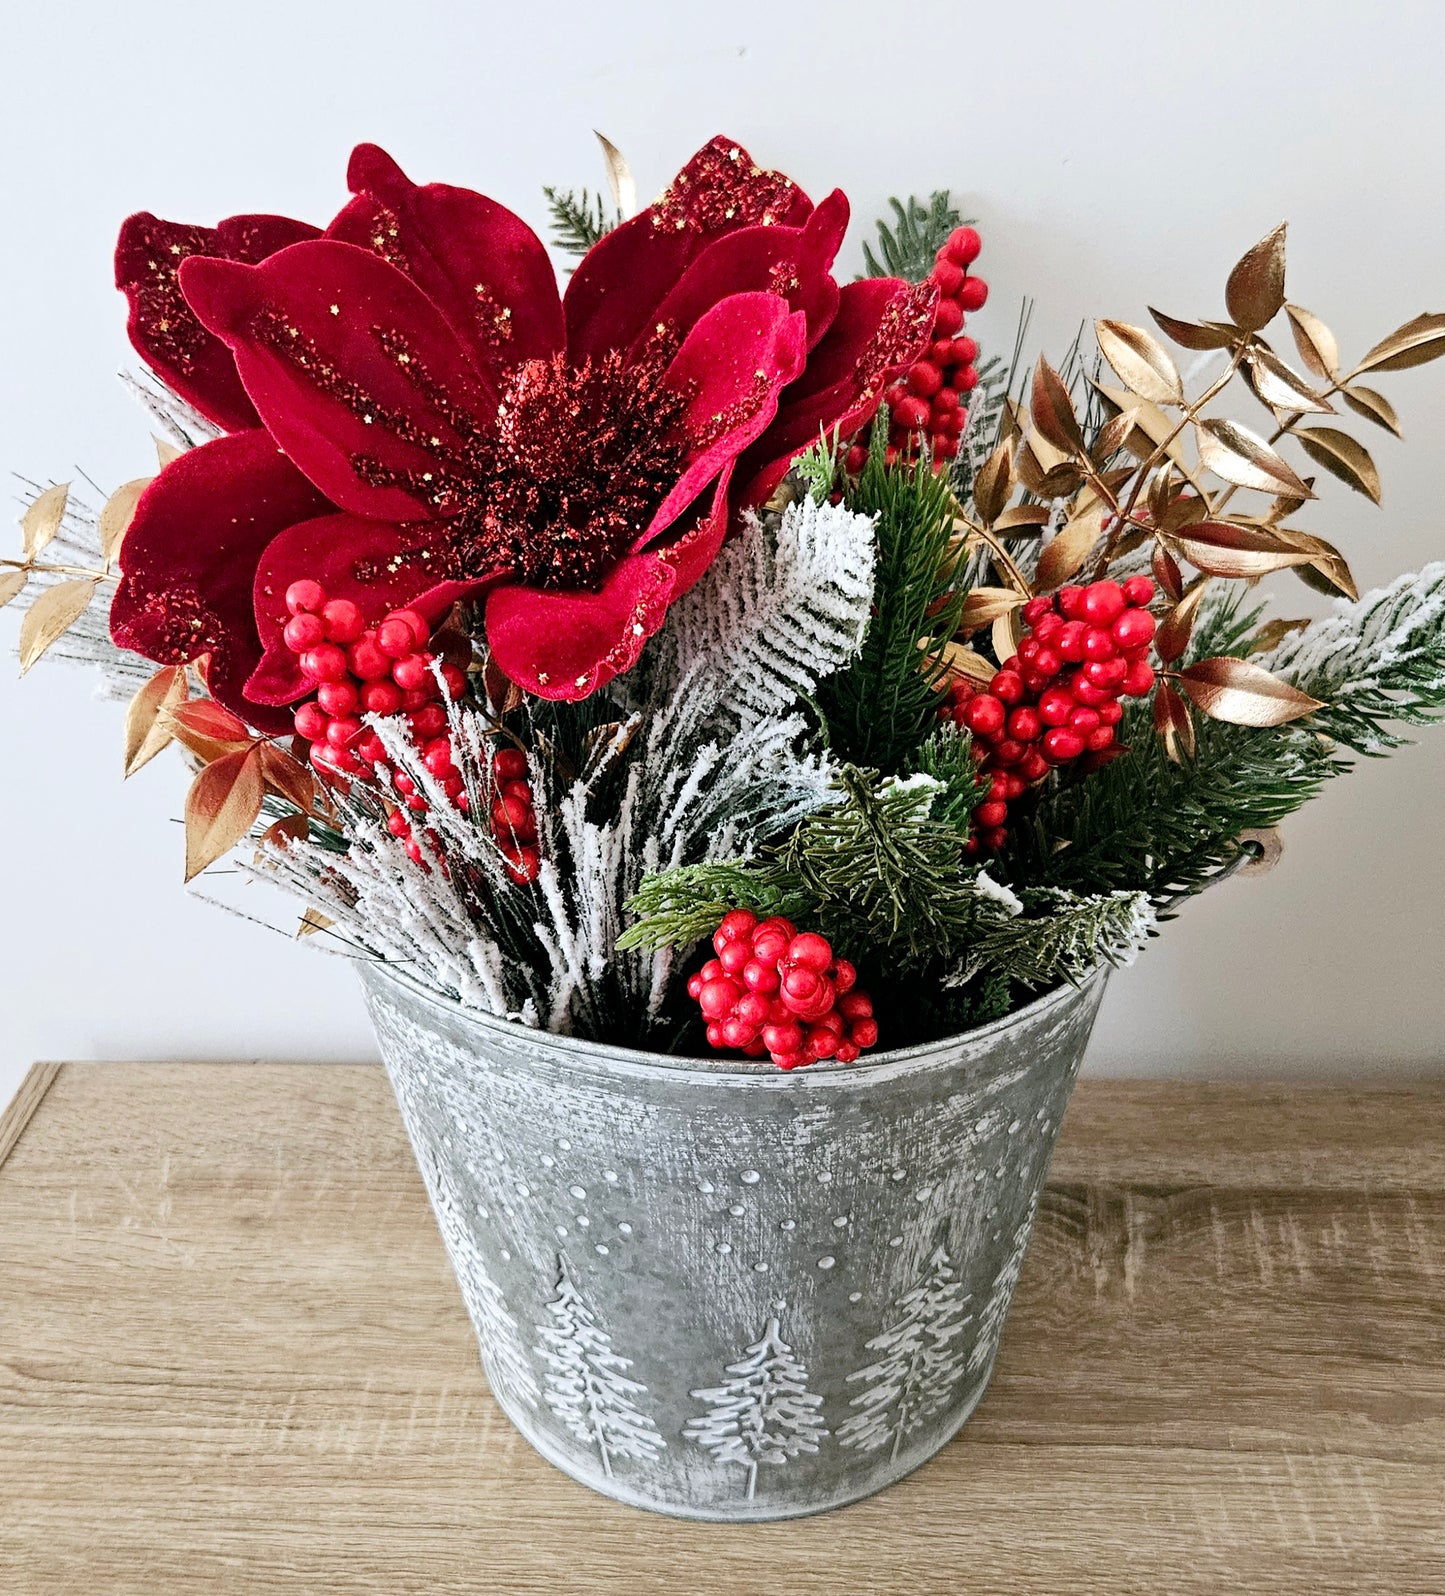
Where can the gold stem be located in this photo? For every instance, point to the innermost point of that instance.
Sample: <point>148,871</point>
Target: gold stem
<point>60,570</point>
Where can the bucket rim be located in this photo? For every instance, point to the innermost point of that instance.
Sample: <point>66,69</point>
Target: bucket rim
<point>606,1057</point>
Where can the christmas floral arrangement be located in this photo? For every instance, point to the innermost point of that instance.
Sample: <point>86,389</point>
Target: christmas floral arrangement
<point>717,654</point>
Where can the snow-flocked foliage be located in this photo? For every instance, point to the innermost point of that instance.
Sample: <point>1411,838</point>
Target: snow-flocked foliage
<point>706,760</point>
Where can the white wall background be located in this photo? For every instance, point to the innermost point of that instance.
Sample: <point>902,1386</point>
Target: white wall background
<point>1116,154</point>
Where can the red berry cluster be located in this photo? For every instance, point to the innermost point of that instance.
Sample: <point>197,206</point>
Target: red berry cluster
<point>1057,699</point>
<point>384,670</point>
<point>773,989</point>
<point>928,400</point>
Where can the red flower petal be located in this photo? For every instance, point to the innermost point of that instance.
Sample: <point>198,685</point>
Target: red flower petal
<point>733,365</point>
<point>484,268</point>
<point>189,554</point>
<point>621,281</point>
<point>567,645</point>
<point>354,372</point>
<point>698,547</point>
<point>881,326</point>
<point>791,261</point>
<point>378,565</point>
<point>164,329</point>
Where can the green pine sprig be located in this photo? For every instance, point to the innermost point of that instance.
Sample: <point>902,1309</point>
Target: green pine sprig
<point>579,218</point>
<point>919,231</point>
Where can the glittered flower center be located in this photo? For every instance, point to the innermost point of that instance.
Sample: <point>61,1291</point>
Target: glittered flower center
<point>581,461</point>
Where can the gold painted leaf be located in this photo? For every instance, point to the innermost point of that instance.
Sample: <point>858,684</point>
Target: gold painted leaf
<point>312,922</point>
<point>1150,431</point>
<point>52,615</point>
<point>1220,548</point>
<point>1186,510</point>
<point>1173,723</point>
<point>1177,626</point>
<point>984,605</point>
<point>1053,411</point>
<point>1325,563</point>
<point>1240,456</point>
<point>221,807</point>
<point>288,777</point>
<point>1167,573</point>
<point>1005,636</point>
<point>1065,554</point>
<point>993,484</point>
<point>42,518</point>
<point>116,515</point>
<point>166,451</point>
<point>1144,365</point>
<point>148,727</point>
<point>1113,435</point>
<point>1274,632</point>
<point>1255,290</point>
<point>12,585</point>
<point>1342,457</point>
<point>619,176</point>
<point>289,828</point>
<point>1244,694</point>
<point>965,662</point>
<point>1023,519</point>
<point>208,730</point>
<point>1411,345</point>
<point>1315,342</point>
<point>1279,387</point>
<point>1372,406</point>
<point>1197,335</point>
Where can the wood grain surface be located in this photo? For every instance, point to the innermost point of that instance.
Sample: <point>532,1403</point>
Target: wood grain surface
<point>233,1358</point>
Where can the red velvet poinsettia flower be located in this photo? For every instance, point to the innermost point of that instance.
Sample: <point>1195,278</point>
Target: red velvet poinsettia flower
<point>416,415</point>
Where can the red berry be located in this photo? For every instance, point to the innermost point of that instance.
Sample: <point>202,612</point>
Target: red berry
<point>810,951</point>
<point>1133,629</point>
<point>403,783</point>
<point>303,631</point>
<point>717,997</point>
<point>911,412</point>
<point>1099,643</point>
<point>945,401</point>
<point>967,379</point>
<point>337,698</point>
<point>948,318</point>
<point>524,866</point>
<point>1103,603</point>
<point>948,274</point>
<point>855,1006</point>
<point>761,978</point>
<point>734,956</point>
<point>397,823</point>
<point>1048,663</point>
<point>1112,713</point>
<point>1071,602</point>
<point>800,985</point>
<point>1061,745</point>
<point>412,670</point>
<point>863,1033</point>
<point>510,764</point>
<point>420,628</point>
<point>963,245</point>
<point>1055,707</point>
<point>437,757</point>
<point>324,663</point>
<point>925,379</point>
<point>1048,627</point>
<point>1097,741</point>
<point>1024,725</point>
<point>427,722</point>
<point>455,679</point>
<point>1035,610</point>
<point>1068,641</point>
<point>395,638</point>
<point>310,720</point>
<point>973,294</point>
<point>1007,752</point>
<point>784,1039</point>
<point>736,923</point>
<point>380,698</point>
<point>1084,720</point>
<point>305,596</point>
<point>847,1052</point>
<point>993,813</point>
<point>855,459</point>
<point>964,351</point>
<point>1107,673</point>
<point>342,730</point>
<point>845,977</point>
<point>370,749</point>
<point>1139,591</point>
<point>820,1042</point>
<point>366,660</point>
<point>1085,692</point>
<point>945,447</point>
<point>344,621</point>
<point>1139,679</point>
<point>984,715</point>
<point>751,1007</point>
<point>1032,767</point>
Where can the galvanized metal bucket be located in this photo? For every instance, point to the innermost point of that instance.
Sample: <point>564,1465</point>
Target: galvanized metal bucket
<point>716,1290</point>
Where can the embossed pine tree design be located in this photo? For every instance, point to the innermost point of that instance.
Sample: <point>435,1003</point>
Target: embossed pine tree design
<point>585,1385</point>
<point>995,1310</point>
<point>507,1366</point>
<point>764,1413</point>
<point>920,1364</point>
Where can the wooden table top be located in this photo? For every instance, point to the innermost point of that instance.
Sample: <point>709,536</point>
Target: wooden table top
<point>233,1358</point>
